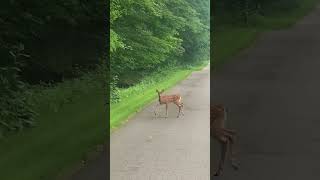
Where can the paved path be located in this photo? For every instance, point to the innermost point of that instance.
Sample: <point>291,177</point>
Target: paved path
<point>167,149</point>
<point>96,169</point>
<point>273,94</point>
<point>164,149</point>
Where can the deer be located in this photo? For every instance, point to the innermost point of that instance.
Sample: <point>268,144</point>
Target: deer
<point>166,99</point>
<point>225,137</point>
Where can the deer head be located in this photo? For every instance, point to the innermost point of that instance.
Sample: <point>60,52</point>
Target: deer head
<point>160,92</point>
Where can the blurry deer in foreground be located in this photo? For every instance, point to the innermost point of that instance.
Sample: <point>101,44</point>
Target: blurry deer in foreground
<point>218,115</point>
<point>166,99</point>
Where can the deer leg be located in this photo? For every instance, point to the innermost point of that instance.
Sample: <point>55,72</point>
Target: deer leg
<point>179,109</point>
<point>166,110</point>
<point>226,133</point>
<point>181,105</point>
<point>234,164</point>
<point>232,157</point>
<point>224,149</point>
<point>155,109</point>
<point>224,142</point>
<point>229,131</point>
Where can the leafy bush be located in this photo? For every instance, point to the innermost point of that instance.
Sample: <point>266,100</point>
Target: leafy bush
<point>55,96</point>
<point>47,28</point>
<point>19,102</point>
<point>149,34</point>
<point>16,111</point>
<point>249,11</point>
<point>114,90</point>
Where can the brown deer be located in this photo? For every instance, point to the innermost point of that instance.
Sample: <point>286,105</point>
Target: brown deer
<point>166,99</point>
<point>226,137</point>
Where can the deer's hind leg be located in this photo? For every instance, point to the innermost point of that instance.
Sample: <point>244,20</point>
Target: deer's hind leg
<point>180,106</point>
<point>226,140</point>
<point>224,151</point>
<point>231,137</point>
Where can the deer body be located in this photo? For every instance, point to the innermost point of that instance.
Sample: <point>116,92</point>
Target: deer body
<point>225,137</point>
<point>167,99</point>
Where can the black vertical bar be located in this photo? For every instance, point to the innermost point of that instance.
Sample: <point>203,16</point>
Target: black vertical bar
<point>107,12</point>
<point>211,74</point>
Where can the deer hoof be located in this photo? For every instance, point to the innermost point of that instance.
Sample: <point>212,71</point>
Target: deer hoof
<point>217,173</point>
<point>235,166</point>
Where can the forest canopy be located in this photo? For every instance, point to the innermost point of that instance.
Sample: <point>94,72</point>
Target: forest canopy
<point>148,35</point>
<point>44,42</point>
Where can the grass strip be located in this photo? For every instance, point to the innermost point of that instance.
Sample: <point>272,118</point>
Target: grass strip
<point>135,98</point>
<point>229,40</point>
<point>67,129</point>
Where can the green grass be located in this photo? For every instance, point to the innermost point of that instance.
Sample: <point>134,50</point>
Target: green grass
<point>69,124</point>
<point>135,98</point>
<point>286,19</point>
<point>229,39</point>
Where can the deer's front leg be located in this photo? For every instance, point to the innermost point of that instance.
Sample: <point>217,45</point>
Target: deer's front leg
<point>224,151</point>
<point>231,137</point>
<point>166,109</point>
<point>155,109</point>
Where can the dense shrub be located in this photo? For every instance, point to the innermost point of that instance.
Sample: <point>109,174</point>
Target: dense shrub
<point>46,41</point>
<point>15,110</point>
<point>149,34</point>
<point>246,11</point>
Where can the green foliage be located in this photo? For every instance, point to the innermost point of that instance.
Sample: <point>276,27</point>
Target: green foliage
<point>114,91</point>
<point>115,41</point>
<point>244,11</point>
<point>237,23</point>
<point>47,28</point>
<point>138,96</point>
<point>228,42</point>
<point>15,110</point>
<point>71,118</point>
<point>149,34</point>
<point>55,96</point>
<point>34,36</point>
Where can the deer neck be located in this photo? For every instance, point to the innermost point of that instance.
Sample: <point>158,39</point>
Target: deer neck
<point>159,96</point>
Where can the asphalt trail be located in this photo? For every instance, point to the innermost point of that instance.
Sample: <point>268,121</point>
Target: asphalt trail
<point>161,149</point>
<point>95,169</point>
<point>273,94</point>
<point>167,149</point>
